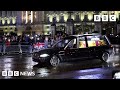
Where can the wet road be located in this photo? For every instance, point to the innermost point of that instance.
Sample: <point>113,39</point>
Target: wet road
<point>88,69</point>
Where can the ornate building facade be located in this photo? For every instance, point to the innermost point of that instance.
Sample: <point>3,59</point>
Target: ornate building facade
<point>49,22</point>
<point>21,22</point>
<point>80,22</point>
<point>8,21</point>
<point>30,22</point>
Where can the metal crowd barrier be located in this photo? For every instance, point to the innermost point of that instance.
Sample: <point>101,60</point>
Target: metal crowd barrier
<point>21,48</point>
<point>15,49</point>
<point>26,49</point>
<point>12,49</point>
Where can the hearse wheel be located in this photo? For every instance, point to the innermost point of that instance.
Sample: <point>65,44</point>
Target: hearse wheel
<point>54,61</point>
<point>105,56</point>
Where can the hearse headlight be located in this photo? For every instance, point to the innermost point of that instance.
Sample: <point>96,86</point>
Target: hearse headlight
<point>44,55</point>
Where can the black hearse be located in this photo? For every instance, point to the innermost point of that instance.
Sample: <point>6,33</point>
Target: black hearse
<point>75,47</point>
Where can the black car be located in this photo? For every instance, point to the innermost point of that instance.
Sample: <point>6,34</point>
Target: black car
<point>75,47</point>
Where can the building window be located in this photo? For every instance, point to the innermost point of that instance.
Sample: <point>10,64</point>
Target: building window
<point>77,18</point>
<point>61,18</point>
<point>54,19</point>
<point>86,18</point>
<point>48,19</point>
<point>82,43</point>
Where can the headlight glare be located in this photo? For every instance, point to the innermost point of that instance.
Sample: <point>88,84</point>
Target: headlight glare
<point>44,55</point>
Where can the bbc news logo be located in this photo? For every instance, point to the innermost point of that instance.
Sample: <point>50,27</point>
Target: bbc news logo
<point>112,18</point>
<point>18,73</point>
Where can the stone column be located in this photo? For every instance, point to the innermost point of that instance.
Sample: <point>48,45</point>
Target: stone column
<point>70,24</point>
<point>19,17</point>
<point>98,27</point>
<point>53,29</point>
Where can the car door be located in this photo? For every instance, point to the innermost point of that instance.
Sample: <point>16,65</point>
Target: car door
<point>92,46</point>
<point>71,50</point>
<point>83,51</point>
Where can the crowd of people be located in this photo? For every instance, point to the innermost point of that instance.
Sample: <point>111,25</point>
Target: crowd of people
<point>27,39</point>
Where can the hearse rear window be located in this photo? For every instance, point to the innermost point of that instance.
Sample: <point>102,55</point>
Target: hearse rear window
<point>96,41</point>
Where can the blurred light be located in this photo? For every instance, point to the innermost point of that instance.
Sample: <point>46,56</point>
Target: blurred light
<point>111,34</point>
<point>90,16</point>
<point>8,64</point>
<point>19,33</point>
<point>44,55</point>
<point>65,17</point>
<point>82,17</point>
<point>117,36</point>
<point>36,35</point>
<point>58,18</point>
<point>45,33</point>
<point>26,16</point>
<point>14,20</point>
<point>117,14</point>
<point>73,17</point>
<point>96,76</point>
<point>29,66</point>
<point>43,72</point>
<point>116,75</point>
<point>31,16</point>
<point>89,70</point>
<point>3,21</point>
<point>31,37</point>
<point>38,38</point>
<point>50,18</point>
<point>8,21</point>
<point>8,60</point>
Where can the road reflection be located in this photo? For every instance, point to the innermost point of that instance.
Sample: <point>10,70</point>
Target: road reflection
<point>43,72</point>
<point>96,76</point>
<point>87,69</point>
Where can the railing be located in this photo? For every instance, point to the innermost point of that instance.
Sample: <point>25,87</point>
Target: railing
<point>11,49</point>
<point>21,48</point>
<point>17,48</point>
<point>26,48</point>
